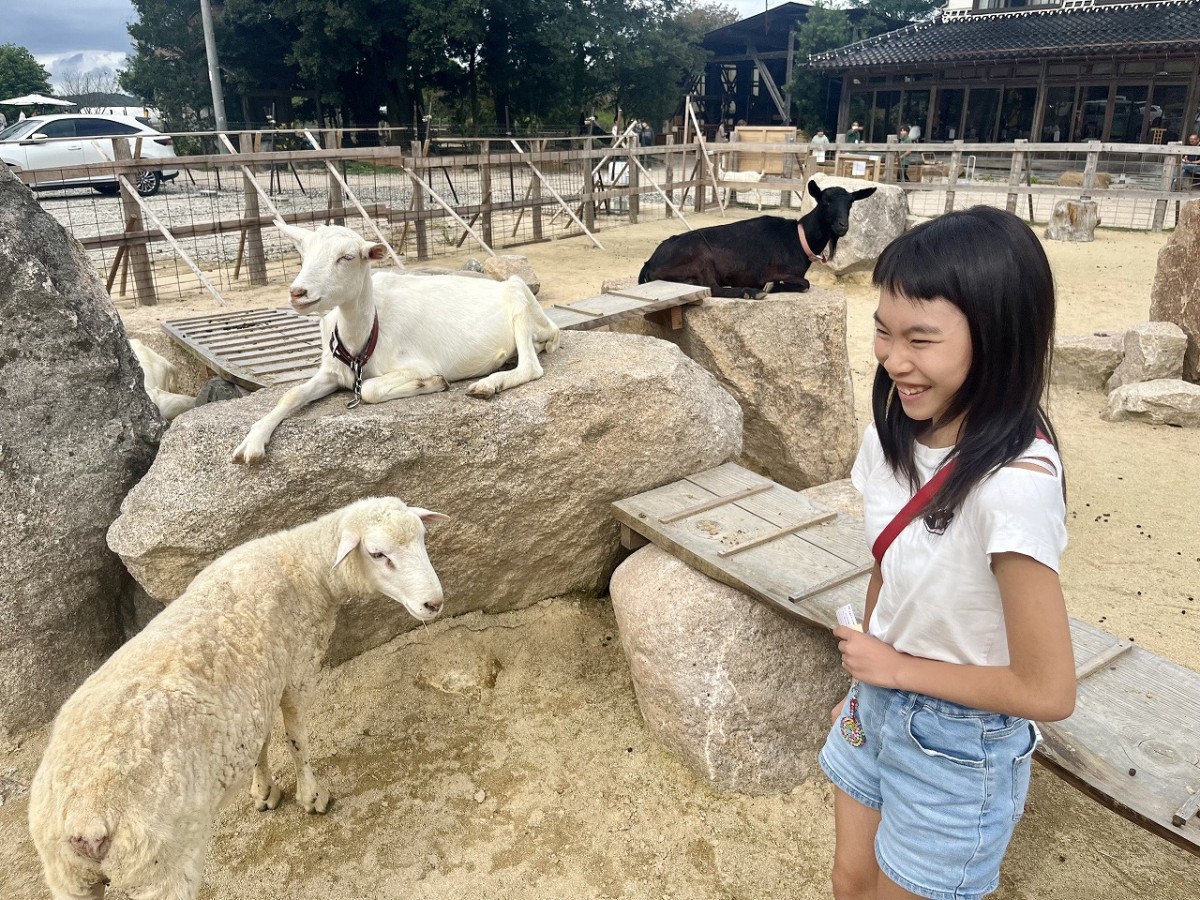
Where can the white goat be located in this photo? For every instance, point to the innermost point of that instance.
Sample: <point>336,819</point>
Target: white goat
<point>432,329</point>
<point>158,379</point>
<point>143,754</point>
<point>729,180</point>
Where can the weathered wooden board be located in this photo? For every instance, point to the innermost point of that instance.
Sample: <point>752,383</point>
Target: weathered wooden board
<point>1131,743</point>
<point>253,348</point>
<point>260,347</point>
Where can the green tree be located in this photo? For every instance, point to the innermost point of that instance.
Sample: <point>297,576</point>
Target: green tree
<point>169,68</point>
<point>20,73</point>
<point>811,89</point>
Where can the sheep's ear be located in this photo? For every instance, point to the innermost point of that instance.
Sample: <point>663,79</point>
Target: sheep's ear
<point>862,195</point>
<point>350,540</point>
<point>375,251</point>
<point>297,235</point>
<point>429,516</point>
<point>814,190</point>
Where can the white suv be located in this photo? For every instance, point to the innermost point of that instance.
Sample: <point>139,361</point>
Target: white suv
<point>61,142</point>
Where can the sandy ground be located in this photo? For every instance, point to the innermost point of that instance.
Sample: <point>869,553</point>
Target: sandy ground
<point>504,757</point>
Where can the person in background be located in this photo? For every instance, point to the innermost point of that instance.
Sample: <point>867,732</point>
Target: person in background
<point>818,144</point>
<point>855,134</point>
<point>905,161</point>
<point>1189,167</point>
<point>965,639</point>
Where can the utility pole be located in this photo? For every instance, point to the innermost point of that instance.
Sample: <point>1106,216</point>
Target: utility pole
<point>214,70</point>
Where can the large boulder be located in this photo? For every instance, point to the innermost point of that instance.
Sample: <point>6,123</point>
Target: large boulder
<point>874,222</point>
<point>784,359</point>
<point>1151,351</point>
<point>741,694</point>
<point>1166,401</point>
<point>1087,360</point>
<point>526,477</point>
<point>76,432</point>
<point>1175,296</point>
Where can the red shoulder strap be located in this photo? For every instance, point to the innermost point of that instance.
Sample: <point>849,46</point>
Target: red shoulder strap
<point>909,512</point>
<point>914,506</point>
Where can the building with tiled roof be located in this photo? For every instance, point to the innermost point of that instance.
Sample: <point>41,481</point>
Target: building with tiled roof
<point>1045,70</point>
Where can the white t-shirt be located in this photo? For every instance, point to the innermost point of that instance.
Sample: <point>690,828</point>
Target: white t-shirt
<point>940,599</point>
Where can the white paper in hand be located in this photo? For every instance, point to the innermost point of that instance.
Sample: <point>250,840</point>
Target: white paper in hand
<point>845,616</point>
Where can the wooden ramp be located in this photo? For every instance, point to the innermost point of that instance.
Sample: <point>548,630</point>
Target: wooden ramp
<point>1132,742</point>
<point>260,347</point>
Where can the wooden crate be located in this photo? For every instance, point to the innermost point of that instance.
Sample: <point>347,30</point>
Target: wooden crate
<point>768,164</point>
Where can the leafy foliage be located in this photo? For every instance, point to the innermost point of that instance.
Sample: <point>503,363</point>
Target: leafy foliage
<point>20,73</point>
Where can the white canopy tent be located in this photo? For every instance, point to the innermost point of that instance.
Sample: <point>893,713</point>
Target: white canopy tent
<point>35,100</point>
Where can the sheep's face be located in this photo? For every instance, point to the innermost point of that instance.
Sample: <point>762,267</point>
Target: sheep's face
<point>391,559</point>
<point>335,269</point>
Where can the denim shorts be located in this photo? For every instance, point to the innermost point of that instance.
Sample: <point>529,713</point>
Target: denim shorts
<point>950,782</point>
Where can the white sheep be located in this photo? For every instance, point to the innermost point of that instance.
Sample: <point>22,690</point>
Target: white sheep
<point>730,180</point>
<point>400,335</point>
<point>142,756</point>
<point>158,379</point>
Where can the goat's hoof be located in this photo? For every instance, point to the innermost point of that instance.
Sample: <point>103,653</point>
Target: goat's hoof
<point>319,804</point>
<point>269,802</point>
<point>481,390</point>
<point>249,452</point>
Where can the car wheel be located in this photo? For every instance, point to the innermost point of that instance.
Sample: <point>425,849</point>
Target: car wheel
<point>108,190</point>
<point>147,183</point>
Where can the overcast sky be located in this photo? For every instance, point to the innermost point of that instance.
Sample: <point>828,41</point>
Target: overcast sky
<point>83,35</point>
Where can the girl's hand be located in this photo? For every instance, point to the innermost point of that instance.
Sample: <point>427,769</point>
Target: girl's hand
<point>868,659</point>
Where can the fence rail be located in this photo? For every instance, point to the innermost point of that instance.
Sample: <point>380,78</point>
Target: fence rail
<point>209,228</point>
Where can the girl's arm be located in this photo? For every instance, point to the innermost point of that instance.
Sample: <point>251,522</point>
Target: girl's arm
<point>1039,681</point>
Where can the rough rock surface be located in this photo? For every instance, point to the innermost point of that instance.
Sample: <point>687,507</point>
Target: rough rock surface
<point>1087,360</point>
<point>784,359</point>
<point>1167,401</point>
<point>740,693</point>
<point>502,267</point>
<point>1175,296</point>
<point>76,432</point>
<point>527,477</point>
<point>1152,350</point>
<point>1073,220</point>
<point>874,222</point>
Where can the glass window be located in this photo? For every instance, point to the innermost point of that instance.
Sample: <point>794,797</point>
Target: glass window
<point>947,118</point>
<point>916,110</point>
<point>983,104</point>
<point>884,118</point>
<point>85,127</point>
<point>1089,115</point>
<point>1169,101</point>
<point>1016,117</point>
<point>860,105</point>
<point>1130,114</point>
<point>61,128</point>
<point>1056,126</point>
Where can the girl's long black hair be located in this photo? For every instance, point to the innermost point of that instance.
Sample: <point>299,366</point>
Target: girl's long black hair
<point>991,266</point>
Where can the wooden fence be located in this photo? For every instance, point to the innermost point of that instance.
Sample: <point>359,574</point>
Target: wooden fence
<point>433,198</point>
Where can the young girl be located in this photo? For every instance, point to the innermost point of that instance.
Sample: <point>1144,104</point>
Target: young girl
<point>965,637</point>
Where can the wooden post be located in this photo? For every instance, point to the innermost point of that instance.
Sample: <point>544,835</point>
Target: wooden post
<point>1014,173</point>
<point>1089,170</point>
<point>670,179</point>
<point>952,175</point>
<point>420,226</point>
<point>256,261</point>
<point>485,184</point>
<point>332,138</point>
<point>789,165</point>
<point>699,180</point>
<point>634,185</point>
<point>535,184</point>
<point>138,255</point>
<point>1165,181</point>
<point>589,185</point>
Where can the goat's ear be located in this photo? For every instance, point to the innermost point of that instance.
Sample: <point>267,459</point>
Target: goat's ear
<point>375,251</point>
<point>862,195</point>
<point>350,540</point>
<point>814,190</point>
<point>297,235</point>
<point>428,516</point>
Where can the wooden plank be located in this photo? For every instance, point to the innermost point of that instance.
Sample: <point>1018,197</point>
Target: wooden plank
<point>778,533</point>
<point>713,504</point>
<point>1130,743</point>
<point>658,291</point>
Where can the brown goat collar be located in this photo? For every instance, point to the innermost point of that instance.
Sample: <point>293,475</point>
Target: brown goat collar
<point>356,362</point>
<point>812,257</point>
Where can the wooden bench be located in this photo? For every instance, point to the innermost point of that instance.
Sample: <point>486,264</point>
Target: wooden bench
<point>259,347</point>
<point>1131,742</point>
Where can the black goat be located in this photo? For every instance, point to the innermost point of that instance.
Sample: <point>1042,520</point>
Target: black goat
<point>739,259</point>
